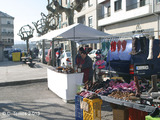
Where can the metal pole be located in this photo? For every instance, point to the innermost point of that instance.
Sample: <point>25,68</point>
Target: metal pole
<point>73,50</point>
<point>43,51</point>
<point>53,54</point>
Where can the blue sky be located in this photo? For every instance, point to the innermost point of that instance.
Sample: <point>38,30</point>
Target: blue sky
<point>24,12</point>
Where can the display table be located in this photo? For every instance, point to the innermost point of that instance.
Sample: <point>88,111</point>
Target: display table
<point>64,85</point>
<point>137,106</point>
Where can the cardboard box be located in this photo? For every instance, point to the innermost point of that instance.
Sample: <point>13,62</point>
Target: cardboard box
<point>120,114</point>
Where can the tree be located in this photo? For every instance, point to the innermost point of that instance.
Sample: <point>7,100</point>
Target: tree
<point>46,23</point>
<point>26,32</point>
<point>55,8</point>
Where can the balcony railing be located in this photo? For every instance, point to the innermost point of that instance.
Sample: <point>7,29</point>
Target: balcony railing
<point>7,25</point>
<point>7,34</point>
<point>137,5</point>
<point>104,15</point>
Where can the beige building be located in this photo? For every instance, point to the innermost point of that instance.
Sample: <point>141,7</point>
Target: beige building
<point>117,16</point>
<point>6,29</point>
<point>87,16</point>
<point>125,16</point>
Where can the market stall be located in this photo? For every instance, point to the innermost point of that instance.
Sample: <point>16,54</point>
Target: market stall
<point>119,93</point>
<point>62,84</point>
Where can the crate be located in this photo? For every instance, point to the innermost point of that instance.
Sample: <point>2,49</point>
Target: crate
<point>135,114</point>
<point>93,112</point>
<point>148,117</point>
<point>78,110</point>
<point>120,114</point>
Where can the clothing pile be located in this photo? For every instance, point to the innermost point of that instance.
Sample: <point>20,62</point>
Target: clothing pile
<point>116,88</point>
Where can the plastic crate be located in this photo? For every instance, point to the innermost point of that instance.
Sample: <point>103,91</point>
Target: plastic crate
<point>148,117</point>
<point>94,109</point>
<point>135,114</point>
<point>78,110</point>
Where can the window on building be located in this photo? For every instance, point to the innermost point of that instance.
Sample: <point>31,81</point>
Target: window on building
<point>82,20</point>
<point>9,40</point>
<point>8,22</point>
<point>109,11</point>
<point>4,31</point>
<point>158,1</point>
<point>118,5</point>
<point>90,3</point>
<point>142,3</point>
<point>90,21</point>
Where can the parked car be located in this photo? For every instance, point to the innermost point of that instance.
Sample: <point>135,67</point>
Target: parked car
<point>49,53</point>
<point>6,52</point>
<point>65,59</point>
<point>40,54</point>
<point>123,64</point>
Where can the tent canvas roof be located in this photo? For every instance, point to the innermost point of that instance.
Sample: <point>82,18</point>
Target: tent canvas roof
<point>76,32</point>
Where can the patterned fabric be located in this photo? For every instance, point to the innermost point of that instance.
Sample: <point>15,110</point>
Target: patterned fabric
<point>113,46</point>
<point>119,45</point>
<point>124,43</point>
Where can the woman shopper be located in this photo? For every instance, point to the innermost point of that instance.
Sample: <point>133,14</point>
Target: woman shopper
<point>86,67</point>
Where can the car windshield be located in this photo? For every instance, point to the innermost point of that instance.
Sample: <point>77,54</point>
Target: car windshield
<point>68,54</point>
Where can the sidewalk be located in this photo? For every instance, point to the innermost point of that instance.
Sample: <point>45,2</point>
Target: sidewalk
<point>18,72</point>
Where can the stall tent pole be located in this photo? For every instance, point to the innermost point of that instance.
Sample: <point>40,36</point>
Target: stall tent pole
<point>43,51</point>
<point>53,54</point>
<point>73,50</point>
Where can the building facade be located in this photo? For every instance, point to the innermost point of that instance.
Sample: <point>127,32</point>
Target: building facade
<point>125,16</point>
<point>87,16</point>
<point>6,29</point>
<point>117,16</point>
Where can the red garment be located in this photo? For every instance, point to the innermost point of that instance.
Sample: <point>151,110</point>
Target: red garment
<point>124,43</point>
<point>119,45</point>
<point>86,72</point>
<point>113,46</point>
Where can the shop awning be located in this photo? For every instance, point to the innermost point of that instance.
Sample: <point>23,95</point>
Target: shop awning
<point>77,32</point>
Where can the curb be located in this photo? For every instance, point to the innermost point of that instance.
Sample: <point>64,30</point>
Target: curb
<point>15,83</point>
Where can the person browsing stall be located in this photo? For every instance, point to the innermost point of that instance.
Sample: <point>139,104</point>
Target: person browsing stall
<point>86,67</point>
<point>78,56</point>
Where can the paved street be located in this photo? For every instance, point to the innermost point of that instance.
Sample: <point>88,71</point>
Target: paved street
<point>35,102</point>
<point>21,100</point>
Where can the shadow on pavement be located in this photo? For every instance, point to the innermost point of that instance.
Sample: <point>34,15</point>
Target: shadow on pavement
<point>34,110</point>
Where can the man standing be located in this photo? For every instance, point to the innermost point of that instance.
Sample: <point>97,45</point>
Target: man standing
<point>86,66</point>
<point>58,54</point>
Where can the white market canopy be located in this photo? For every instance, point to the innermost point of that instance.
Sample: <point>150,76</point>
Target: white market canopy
<point>77,32</point>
